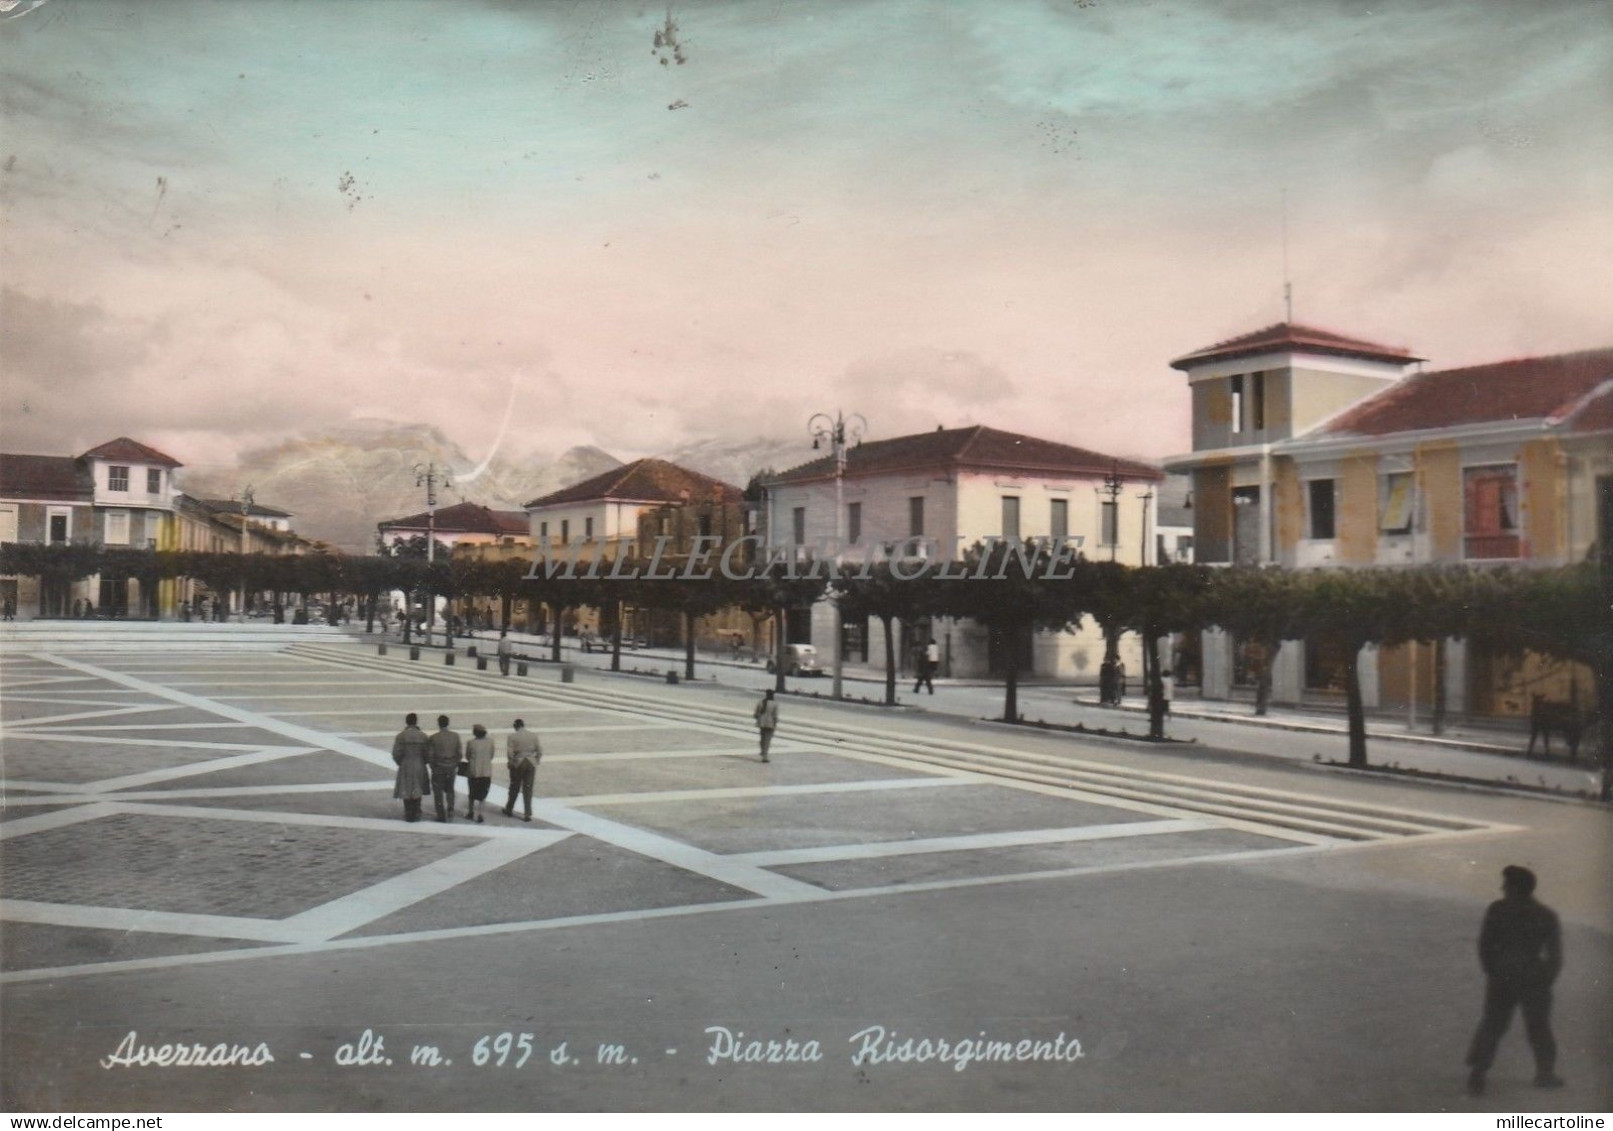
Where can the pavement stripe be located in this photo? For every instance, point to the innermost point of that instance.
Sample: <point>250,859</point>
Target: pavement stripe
<point>131,709</point>
<point>162,922</point>
<point>61,818</point>
<point>125,740</point>
<point>350,912</point>
<point>673,795</point>
<point>193,769</point>
<point>975,842</point>
<point>81,793</point>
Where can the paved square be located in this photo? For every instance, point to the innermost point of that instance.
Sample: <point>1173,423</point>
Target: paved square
<point>219,832</point>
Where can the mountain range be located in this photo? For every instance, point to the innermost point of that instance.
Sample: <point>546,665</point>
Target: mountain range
<point>339,483</point>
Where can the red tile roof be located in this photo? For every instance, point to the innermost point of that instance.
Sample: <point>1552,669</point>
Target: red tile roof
<point>643,481</point>
<point>234,507</point>
<point>465,518</point>
<point>1530,388</point>
<point>133,451</point>
<point>976,448</point>
<point>1293,336</point>
<point>44,477</point>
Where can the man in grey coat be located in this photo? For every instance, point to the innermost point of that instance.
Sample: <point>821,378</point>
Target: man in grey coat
<point>446,754</point>
<point>522,754</point>
<point>409,750</point>
<point>766,712</point>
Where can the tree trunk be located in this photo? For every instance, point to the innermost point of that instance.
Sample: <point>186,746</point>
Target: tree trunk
<point>408,617</point>
<point>559,626</point>
<point>369,612</point>
<point>1154,682</point>
<point>890,662</point>
<point>448,624</point>
<point>780,651</point>
<point>688,645</point>
<point>1439,685</point>
<point>1358,715</point>
<point>616,640</point>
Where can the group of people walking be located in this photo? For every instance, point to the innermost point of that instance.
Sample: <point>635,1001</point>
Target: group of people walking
<point>431,763</point>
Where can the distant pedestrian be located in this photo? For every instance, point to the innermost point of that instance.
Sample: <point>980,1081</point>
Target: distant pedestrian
<point>926,674</point>
<point>505,651</point>
<point>522,753</point>
<point>1106,682</point>
<point>446,754</point>
<point>1521,951</point>
<point>410,750</point>
<point>1120,682</point>
<point>766,713</point>
<point>1167,685</point>
<point>479,771</point>
<point>11,607</point>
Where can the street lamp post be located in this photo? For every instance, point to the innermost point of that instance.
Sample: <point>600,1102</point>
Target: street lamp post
<point>833,432</point>
<point>430,478</point>
<point>246,499</point>
<point>1113,484</point>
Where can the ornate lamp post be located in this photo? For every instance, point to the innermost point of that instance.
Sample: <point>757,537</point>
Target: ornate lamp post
<point>834,432</point>
<point>1113,484</point>
<point>430,478</point>
<point>246,499</point>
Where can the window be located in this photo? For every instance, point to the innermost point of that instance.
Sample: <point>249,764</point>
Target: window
<point>117,528</point>
<point>1109,513</point>
<point>117,478</point>
<point>1257,401</point>
<point>1490,505</point>
<point>1058,524</point>
<point>1011,517</point>
<point>588,529</point>
<point>59,529</point>
<point>565,532</point>
<point>915,516</point>
<point>1322,509</point>
<point>1396,515</point>
<point>153,480</point>
<point>1237,403</point>
<point>854,523</point>
<point>543,531</point>
<point>705,526</point>
<point>798,525</point>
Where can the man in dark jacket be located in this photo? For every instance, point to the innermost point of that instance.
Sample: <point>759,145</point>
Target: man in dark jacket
<point>1521,951</point>
<point>445,755</point>
<point>409,750</point>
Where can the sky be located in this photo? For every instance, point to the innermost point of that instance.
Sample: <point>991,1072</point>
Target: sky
<point>231,222</point>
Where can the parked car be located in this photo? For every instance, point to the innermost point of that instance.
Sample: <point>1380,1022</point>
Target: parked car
<point>799,659</point>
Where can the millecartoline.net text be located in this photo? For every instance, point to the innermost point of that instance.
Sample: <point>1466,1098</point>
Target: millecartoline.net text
<point>750,557</point>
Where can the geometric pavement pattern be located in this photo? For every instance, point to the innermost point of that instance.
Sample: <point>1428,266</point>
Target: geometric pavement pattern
<point>169,808</point>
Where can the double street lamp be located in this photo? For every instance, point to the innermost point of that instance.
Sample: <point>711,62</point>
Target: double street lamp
<point>833,432</point>
<point>246,499</point>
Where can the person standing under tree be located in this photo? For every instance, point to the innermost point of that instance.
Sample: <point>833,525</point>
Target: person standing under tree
<point>766,713</point>
<point>409,750</point>
<point>479,772</point>
<point>522,754</point>
<point>446,754</point>
<point>505,651</point>
<point>1521,951</point>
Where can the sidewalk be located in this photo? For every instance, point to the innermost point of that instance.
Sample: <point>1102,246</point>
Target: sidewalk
<point>1467,752</point>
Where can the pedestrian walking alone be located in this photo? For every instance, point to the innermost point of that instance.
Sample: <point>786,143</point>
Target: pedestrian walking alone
<point>522,753</point>
<point>409,750</point>
<point>766,713</point>
<point>1521,951</point>
<point>479,771</point>
<point>505,651</point>
<point>446,753</point>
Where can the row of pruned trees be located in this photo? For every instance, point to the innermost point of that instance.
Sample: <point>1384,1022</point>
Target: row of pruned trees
<point>1012,590</point>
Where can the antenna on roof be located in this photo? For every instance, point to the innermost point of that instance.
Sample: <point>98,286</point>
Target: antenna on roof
<point>1288,287</point>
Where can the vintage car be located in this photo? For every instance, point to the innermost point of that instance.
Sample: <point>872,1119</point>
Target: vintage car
<point>799,659</point>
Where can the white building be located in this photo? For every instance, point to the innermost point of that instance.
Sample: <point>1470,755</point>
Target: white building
<point>959,486</point>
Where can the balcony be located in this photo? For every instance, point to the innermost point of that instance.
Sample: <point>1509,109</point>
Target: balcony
<point>1491,547</point>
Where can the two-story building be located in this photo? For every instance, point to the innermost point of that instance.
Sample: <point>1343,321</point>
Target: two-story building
<point>939,493</point>
<point>462,524</point>
<point>1315,450</point>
